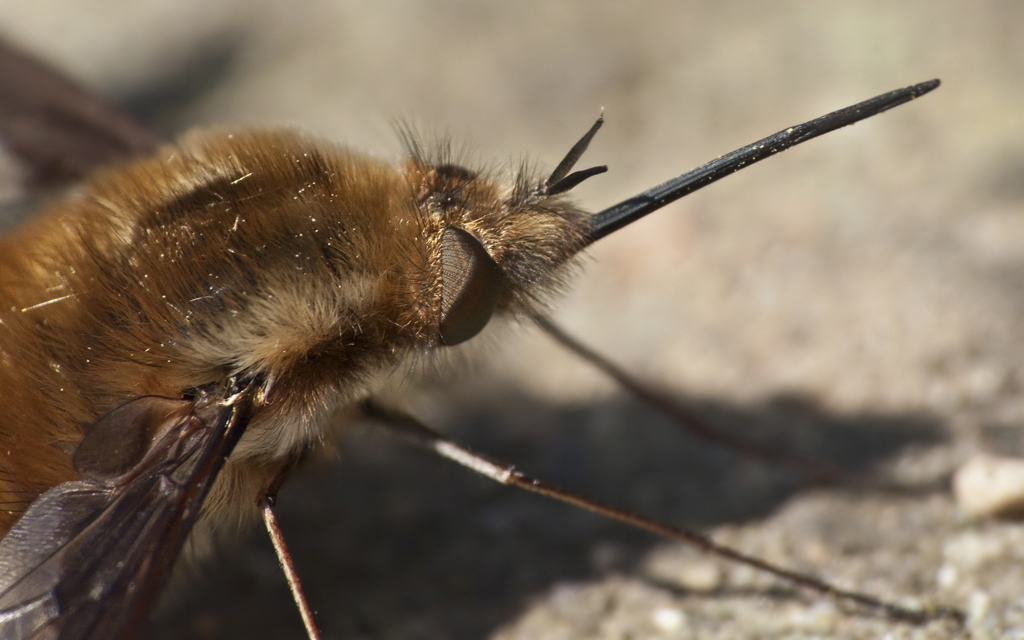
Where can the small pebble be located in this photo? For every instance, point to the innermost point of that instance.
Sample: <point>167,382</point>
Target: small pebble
<point>685,569</point>
<point>979,606</point>
<point>701,576</point>
<point>947,576</point>
<point>969,550</point>
<point>668,618</point>
<point>990,486</point>
<point>821,616</point>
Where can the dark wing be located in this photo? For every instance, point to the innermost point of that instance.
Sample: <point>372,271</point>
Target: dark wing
<point>89,558</point>
<point>57,132</point>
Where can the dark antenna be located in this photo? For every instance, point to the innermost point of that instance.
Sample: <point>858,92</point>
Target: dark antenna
<point>632,209</point>
<point>560,179</point>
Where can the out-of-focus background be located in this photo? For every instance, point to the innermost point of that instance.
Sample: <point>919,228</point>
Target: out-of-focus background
<point>857,300</point>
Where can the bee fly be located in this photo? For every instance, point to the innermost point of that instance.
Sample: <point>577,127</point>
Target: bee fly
<point>179,332</point>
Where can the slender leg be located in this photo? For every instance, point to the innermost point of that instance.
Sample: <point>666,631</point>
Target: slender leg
<point>266,505</point>
<point>417,432</point>
<point>285,558</point>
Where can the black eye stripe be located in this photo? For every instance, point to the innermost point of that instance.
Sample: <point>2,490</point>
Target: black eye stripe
<point>448,185</point>
<point>454,172</point>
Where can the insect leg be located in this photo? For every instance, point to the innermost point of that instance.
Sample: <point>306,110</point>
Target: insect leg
<point>414,430</point>
<point>285,558</point>
<point>266,502</point>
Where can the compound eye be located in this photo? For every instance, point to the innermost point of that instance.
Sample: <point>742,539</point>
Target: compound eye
<point>470,285</point>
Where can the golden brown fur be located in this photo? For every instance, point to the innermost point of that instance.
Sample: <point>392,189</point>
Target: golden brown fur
<point>309,267</point>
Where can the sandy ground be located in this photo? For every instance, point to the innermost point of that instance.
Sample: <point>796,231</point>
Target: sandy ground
<point>857,300</point>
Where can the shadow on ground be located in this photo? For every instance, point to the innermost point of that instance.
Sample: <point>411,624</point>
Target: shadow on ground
<point>394,543</point>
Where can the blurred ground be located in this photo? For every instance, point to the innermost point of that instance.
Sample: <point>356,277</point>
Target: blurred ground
<point>857,299</point>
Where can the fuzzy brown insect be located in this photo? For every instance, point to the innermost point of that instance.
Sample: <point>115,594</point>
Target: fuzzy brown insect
<point>269,254</point>
<point>256,285</point>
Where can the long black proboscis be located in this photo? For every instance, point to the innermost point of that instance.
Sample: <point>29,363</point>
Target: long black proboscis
<point>617,216</point>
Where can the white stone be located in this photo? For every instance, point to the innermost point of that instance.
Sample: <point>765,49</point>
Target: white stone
<point>989,485</point>
<point>668,618</point>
